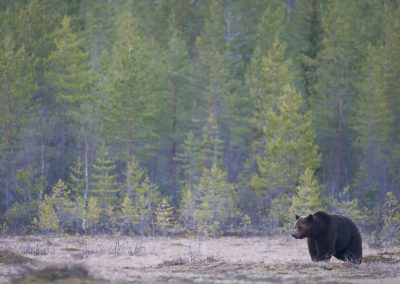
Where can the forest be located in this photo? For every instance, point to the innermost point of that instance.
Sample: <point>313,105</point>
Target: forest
<point>211,117</point>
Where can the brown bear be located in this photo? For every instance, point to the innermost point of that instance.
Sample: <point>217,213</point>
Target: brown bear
<point>329,235</point>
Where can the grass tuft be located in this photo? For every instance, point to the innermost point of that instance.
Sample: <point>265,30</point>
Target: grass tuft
<point>9,256</point>
<point>63,275</point>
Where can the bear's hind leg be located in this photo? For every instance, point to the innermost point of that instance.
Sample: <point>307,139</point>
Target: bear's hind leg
<point>353,251</point>
<point>352,257</point>
<point>340,255</point>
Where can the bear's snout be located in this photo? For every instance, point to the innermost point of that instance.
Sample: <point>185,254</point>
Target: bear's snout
<point>295,235</point>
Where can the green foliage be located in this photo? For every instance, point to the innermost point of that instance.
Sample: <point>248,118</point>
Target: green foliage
<point>305,42</point>
<point>77,178</point>
<point>198,93</point>
<point>91,213</point>
<point>140,202</point>
<point>189,160</point>
<point>164,217</point>
<point>29,186</point>
<point>211,143</point>
<point>348,205</point>
<point>291,147</point>
<point>64,207</point>
<point>48,219</point>
<point>87,214</point>
<point>128,211</point>
<point>391,210</point>
<point>16,79</point>
<point>19,217</point>
<point>332,106</point>
<point>104,181</point>
<point>129,92</point>
<point>69,81</point>
<point>187,208</point>
<point>391,219</point>
<point>307,198</point>
<point>67,73</point>
<point>278,213</point>
<point>215,201</point>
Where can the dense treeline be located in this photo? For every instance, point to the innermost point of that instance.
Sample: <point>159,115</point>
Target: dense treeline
<point>202,116</point>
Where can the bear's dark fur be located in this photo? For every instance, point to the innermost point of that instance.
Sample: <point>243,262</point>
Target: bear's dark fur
<point>329,235</point>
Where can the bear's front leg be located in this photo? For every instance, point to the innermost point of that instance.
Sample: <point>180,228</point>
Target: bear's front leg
<point>325,250</point>
<point>312,248</point>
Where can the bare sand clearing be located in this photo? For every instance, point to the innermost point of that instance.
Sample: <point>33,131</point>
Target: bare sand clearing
<point>32,259</point>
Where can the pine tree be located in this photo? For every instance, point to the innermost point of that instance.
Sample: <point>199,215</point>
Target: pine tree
<point>307,198</point>
<point>77,179</point>
<point>63,205</point>
<point>391,210</point>
<point>178,75</point>
<point>48,219</point>
<point>269,80</point>
<point>134,177</point>
<point>147,198</point>
<point>269,34</point>
<point>69,78</point>
<point>217,87</point>
<point>338,70</point>
<point>141,199</point>
<point>16,79</point>
<point>129,108</point>
<point>391,217</point>
<point>266,79</point>
<point>215,201</point>
<point>129,213</point>
<point>187,208</point>
<point>28,188</point>
<point>291,147</point>
<point>99,17</point>
<point>104,184</point>
<point>89,213</point>
<point>56,210</point>
<point>164,217</point>
<point>211,143</point>
<point>373,123</point>
<point>189,161</point>
<point>305,42</point>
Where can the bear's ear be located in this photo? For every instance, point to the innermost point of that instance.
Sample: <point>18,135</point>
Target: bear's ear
<point>310,217</point>
<point>297,217</point>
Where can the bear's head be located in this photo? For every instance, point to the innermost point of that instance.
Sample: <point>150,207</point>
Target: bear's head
<point>303,227</point>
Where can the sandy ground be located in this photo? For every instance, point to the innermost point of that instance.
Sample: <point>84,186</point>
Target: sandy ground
<point>165,260</point>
